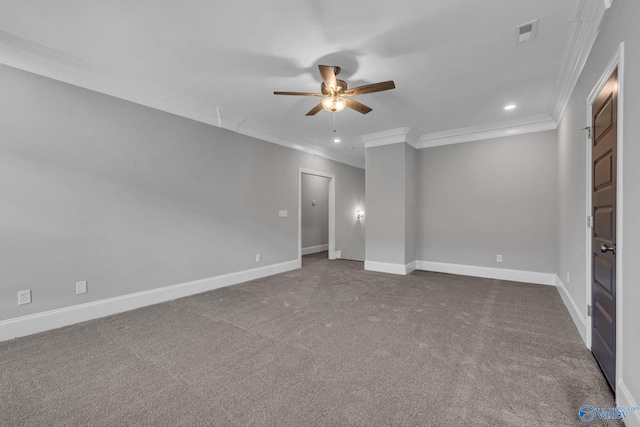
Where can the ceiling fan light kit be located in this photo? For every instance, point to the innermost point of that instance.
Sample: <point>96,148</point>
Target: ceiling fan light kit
<point>336,94</point>
<point>333,104</point>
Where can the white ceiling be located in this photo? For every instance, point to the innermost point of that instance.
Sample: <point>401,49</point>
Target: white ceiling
<point>455,62</point>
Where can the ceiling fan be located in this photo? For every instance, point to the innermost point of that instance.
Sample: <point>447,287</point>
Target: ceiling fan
<point>336,92</point>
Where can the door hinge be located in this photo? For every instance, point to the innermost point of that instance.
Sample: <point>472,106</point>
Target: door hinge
<point>589,311</point>
<point>590,221</point>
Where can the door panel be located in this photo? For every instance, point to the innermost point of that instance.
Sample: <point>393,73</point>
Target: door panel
<point>603,266</point>
<point>603,122</point>
<point>603,322</point>
<point>600,197</point>
<point>603,223</point>
<point>604,274</point>
<point>602,172</point>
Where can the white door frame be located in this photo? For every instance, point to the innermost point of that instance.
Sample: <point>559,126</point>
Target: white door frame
<point>332,210</point>
<point>616,62</point>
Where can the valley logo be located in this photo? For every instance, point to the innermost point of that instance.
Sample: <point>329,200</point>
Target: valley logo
<point>588,413</point>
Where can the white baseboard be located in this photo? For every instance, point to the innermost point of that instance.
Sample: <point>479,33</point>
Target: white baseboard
<point>337,254</point>
<point>40,322</point>
<point>408,268</point>
<point>626,400</point>
<point>385,267</point>
<point>488,272</point>
<point>315,249</point>
<point>578,316</point>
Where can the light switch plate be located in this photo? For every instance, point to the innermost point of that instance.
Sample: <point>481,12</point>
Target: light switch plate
<point>283,214</point>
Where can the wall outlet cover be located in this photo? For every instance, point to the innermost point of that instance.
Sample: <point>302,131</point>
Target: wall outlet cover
<point>81,287</point>
<point>24,297</point>
<point>498,258</point>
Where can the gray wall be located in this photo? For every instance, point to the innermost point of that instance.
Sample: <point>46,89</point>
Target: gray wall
<point>411,203</point>
<point>385,190</point>
<point>315,218</point>
<point>621,25</point>
<point>483,198</point>
<point>130,199</point>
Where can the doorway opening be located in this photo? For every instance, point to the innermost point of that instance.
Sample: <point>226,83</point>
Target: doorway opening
<point>316,213</point>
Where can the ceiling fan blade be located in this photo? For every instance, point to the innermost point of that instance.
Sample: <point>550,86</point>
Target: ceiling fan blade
<point>355,105</point>
<point>374,87</point>
<point>298,93</point>
<point>328,76</point>
<point>315,110</point>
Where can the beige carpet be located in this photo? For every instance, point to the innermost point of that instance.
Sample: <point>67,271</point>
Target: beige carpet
<point>326,345</point>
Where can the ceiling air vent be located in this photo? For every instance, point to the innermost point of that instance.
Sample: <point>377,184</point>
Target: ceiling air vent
<point>526,32</point>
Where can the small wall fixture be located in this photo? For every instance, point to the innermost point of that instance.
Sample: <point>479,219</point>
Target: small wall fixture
<point>359,214</point>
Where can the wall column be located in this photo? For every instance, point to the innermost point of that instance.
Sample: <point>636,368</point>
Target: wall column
<point>390,191</point>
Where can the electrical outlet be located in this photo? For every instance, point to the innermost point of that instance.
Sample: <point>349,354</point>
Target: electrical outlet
<point>81,287</point>
<point>498,258</point>
<point>24,297</point>
<point>257,257</point>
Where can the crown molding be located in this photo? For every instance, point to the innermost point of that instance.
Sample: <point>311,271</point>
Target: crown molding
<point>35,58</point>
<point>26,49</point>
<point>585,19</point>
<point>412,138</point>
<point>530,124</point>
<point>584,24</point>
<point>391,136</point>
<point>258,133</point>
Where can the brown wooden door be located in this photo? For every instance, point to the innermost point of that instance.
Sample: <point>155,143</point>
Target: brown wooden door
<point>603,268</point>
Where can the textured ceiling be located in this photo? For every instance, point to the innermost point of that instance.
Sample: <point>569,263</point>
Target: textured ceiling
<point>455,62</point>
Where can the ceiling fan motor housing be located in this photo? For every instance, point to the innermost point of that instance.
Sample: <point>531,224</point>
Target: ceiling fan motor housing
<point>342,87</point>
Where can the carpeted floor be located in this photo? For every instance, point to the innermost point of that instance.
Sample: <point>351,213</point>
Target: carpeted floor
<point>327,345</point>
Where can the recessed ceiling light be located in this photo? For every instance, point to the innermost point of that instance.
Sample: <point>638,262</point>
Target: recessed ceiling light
<point>350,148</point>
<point>510,107</point>
<point>336,141</point>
